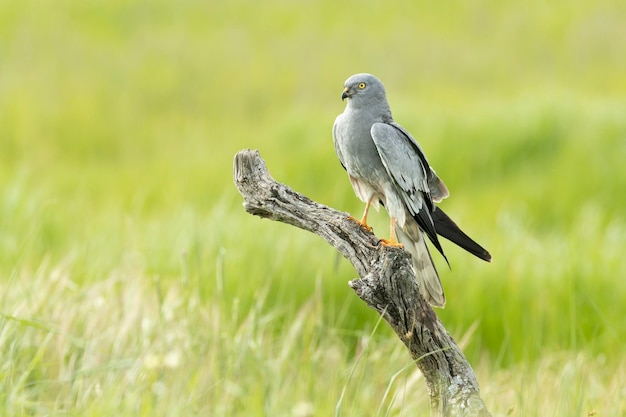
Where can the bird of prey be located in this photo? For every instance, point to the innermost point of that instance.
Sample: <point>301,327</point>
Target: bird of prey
<point>387,166</point>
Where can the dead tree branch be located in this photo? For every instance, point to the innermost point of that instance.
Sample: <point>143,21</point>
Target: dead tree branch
<point>386,283</point>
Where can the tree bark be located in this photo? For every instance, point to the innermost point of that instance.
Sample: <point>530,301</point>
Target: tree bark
<point>387,284</point>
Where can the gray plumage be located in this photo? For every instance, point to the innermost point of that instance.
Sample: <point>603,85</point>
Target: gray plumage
<point>386,165</point>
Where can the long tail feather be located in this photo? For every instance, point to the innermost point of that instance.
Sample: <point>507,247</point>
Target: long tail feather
<point>425,272</point>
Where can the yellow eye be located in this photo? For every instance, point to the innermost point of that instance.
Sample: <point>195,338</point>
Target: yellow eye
<point>361,85</point>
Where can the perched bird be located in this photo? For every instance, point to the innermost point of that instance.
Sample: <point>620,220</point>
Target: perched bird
<point>387,166</point>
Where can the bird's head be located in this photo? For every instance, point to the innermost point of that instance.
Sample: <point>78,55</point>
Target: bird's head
<point>362,89</point>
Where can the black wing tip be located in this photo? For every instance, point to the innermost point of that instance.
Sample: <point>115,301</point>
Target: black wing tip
<point>485,256</point>
<point>473,248</point>
<point>447,228</point>
<point>445,257</point>
<point>426,224</point>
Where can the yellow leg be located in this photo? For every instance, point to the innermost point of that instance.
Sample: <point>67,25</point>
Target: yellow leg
<point>392,236</point>
<point>363,221</point>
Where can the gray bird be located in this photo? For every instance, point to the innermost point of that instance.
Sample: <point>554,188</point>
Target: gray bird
<point>387,166</point>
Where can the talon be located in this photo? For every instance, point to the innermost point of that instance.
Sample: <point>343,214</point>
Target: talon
<point>361,223</point>
<point>392,243</point>
<point>392,236</point>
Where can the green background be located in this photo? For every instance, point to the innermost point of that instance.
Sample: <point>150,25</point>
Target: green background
<point>132,282</point>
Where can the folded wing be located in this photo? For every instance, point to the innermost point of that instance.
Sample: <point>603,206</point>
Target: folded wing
<point>407,166</point>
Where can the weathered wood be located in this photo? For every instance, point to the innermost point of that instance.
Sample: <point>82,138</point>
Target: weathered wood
<point>387,284</point>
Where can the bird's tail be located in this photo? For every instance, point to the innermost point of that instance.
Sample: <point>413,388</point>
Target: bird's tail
<point>425,272</point>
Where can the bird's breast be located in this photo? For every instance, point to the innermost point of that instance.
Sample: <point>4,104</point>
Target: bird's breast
<point>361,156</point>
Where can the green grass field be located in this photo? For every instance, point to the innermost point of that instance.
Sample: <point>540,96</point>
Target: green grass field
<point>132,282</point>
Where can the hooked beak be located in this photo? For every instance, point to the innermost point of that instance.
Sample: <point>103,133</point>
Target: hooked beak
<point>346,94</point>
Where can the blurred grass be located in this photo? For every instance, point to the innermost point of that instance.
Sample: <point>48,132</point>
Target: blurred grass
<point>132,282</point>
